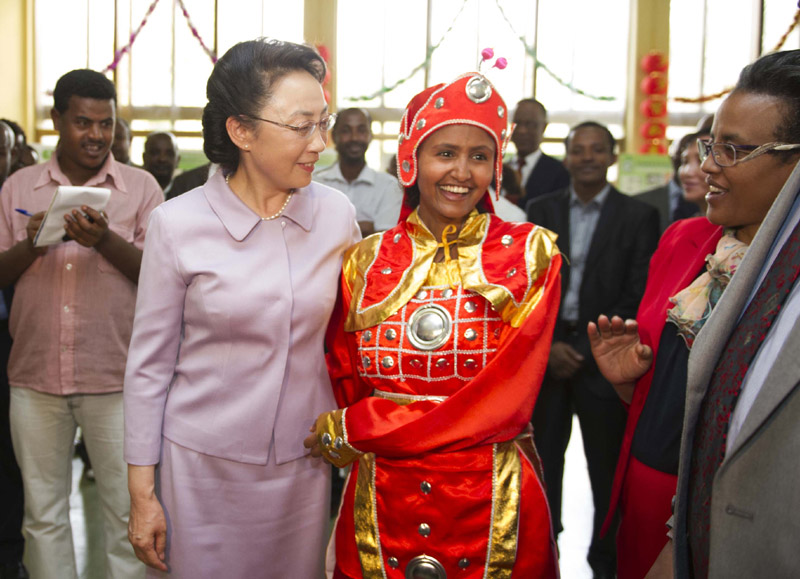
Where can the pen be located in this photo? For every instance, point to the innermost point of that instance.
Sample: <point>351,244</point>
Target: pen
<point>25,213</point>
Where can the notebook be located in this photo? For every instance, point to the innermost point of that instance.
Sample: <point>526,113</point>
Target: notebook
<point>65,199</point>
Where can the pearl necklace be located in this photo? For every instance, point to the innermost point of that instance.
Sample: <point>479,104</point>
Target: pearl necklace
<point>280,211</point>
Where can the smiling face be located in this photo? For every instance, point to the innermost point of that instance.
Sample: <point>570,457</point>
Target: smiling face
<point>456,165</point>
<point>86,130</point>
<point>740,196</point>
<point>691,176</point>
<point>280,157</point>
<point>352,135</point>
<point>589,155</point>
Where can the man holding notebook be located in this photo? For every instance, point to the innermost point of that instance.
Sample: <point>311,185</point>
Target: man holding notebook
<point>71,321</point>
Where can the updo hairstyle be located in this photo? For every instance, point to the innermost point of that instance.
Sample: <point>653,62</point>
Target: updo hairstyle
<point>242,83</point>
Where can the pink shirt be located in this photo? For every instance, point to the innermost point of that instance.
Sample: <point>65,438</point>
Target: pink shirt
<point>72,314</point>
<point>227,350</point>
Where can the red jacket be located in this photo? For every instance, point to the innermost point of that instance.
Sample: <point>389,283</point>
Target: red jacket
<point>675,264</point>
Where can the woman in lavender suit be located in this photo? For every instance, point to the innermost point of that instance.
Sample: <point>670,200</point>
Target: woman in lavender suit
<point>226,368</point>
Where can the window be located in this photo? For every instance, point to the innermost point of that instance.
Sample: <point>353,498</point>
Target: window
<point>161,83</point>
<point>453,32</point>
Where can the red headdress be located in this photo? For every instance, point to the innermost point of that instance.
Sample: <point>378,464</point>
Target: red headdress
<point>470,99</point>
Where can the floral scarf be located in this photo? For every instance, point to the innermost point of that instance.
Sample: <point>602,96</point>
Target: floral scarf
<point>693,305</point>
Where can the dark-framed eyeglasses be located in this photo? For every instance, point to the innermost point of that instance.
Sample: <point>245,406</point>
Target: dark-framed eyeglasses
<point>728,155</point>
<point>306,130</point>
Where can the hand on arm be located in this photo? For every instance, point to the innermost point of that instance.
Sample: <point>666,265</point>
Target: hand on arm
<point>147,526</point>
<point>620,355</point>
<point>312,442</point>
<point>564,361</point>
<point>90,228</point>
<point>327,440</point>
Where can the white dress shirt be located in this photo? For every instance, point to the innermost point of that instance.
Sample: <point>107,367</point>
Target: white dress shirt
<point>377,196</point>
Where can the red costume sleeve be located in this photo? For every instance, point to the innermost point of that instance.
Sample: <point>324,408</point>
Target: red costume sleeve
<point>494,406</point>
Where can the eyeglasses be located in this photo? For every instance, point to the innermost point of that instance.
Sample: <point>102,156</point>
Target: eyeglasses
<point>306,130</point>
<point>728,155</point>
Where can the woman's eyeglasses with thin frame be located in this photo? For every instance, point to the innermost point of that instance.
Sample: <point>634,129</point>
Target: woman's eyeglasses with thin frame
<point>306,130</point>
<point>728,155</point>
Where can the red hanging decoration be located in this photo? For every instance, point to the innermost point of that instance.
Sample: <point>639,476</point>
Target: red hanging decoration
<point>654,62</point>
<point>654,83</point>
<point>653,130</point>
<point>653,108</point>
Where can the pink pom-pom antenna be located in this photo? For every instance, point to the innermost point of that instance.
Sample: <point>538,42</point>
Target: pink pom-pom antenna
<point>487,53</point>
<point>500,63</point>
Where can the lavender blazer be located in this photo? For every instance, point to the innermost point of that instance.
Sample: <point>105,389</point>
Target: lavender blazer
<point>226,356</point>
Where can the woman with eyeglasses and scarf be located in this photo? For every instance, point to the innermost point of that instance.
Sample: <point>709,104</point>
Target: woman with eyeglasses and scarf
<point>752,149</point>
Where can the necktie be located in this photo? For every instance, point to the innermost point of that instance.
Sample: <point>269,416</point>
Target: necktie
<point>518,172</point>
<point>708,449</point>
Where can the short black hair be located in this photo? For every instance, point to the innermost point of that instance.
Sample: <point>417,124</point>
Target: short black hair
<point>242,83</point>
<point>592,125</point>
<point>533,101</point>
<point>82,82</point>
<point>360,110</point>
<point>777,75</point>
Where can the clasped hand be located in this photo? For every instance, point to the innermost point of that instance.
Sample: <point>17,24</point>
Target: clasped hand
<point>87,226</point>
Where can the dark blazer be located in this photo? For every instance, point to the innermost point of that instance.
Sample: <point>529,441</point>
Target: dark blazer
<point>616,268</point>
<point>658,197</point>
<point>547,176</point>
<point>188,180</point>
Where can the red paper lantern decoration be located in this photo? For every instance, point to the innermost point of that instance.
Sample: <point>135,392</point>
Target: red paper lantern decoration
<point>654,62</point>
<point>654,83</point>
<point>653,130</point>
<point>654,147</point>
<point>324,52</point>
<point>654,108</point>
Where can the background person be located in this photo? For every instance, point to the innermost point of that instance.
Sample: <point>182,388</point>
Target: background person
<point>121,145</point>
<point>161,158</point>
<point>11,540</point>
<point>71,321</point>
<point>375,195</point>
<point>608,239</point>
<point>537,174</point>
<point>227,369</point>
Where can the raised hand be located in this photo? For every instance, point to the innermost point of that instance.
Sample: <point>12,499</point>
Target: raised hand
<point>620,355</point>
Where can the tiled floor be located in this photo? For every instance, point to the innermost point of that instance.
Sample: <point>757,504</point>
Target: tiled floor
<point>574,541</point>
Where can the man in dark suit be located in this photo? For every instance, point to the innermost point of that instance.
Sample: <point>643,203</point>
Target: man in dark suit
<point>537,173</point>
<point>607,238</point>
<point>190,179</point>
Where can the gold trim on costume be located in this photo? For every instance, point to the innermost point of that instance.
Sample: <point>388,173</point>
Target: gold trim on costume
<point>506,486</point>
<point>365,519</point>
<point>540,247</point>
<point>405,399</point>
<point>332,437</point>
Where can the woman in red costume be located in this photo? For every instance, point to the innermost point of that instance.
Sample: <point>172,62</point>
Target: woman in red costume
<point>442,337</point>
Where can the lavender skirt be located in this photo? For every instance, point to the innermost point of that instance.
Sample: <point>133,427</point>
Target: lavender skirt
<point>235,520</point>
